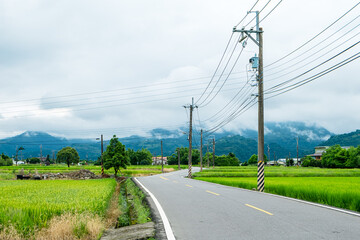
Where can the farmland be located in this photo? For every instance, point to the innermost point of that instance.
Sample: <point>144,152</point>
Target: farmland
<point>29,205</point>
<point>335,187</point>
<point>8,172</point>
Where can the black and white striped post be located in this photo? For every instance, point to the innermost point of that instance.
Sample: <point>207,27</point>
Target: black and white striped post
<point>260,177</point>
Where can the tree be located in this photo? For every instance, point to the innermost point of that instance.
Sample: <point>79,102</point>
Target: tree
<point>34,160</point>
<point>5,160</point>
<point>68,155</point>
<point>184,156</point>
<point>254,159</point>
<point>144,157</point>
<point>289,162</point>
<point>227,160</point>
<point>115,155</point>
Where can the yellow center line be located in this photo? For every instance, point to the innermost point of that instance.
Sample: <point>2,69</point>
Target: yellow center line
<point>189,185</point>
<point>212,193</point>
<point>175,182</point>
<point>258,209</point>
<point>164,178</point>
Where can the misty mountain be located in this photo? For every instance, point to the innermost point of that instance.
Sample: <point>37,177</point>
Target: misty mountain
<point>280,137</point>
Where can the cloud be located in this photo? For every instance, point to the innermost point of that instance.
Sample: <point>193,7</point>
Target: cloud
<point>139,62</point>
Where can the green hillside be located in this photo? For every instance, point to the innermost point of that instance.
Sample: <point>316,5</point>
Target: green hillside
<point>347,139</point>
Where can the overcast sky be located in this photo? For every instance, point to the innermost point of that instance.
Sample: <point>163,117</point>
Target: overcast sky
<point>83,68</point>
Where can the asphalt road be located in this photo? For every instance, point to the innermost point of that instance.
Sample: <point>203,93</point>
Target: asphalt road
<point>200,210</point>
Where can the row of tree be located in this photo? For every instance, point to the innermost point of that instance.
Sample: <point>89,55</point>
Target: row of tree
<point>335,157</point>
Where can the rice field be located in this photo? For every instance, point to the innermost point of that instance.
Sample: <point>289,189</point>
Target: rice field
<point>8,172</point>
<point>29,205</point>
<point>334,187</point>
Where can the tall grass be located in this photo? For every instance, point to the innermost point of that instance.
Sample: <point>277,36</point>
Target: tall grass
<point>28,205</point>
<point>342,192</point>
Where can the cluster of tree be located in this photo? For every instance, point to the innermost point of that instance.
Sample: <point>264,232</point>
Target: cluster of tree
<point>223,160</point>
<point>5,160</point>
<point>227,160</point>
<point>289,162</point>
<point>253,160</point>
<point>140,157</point>
<point>335,157</point>
<point>184,156</point>
<point>310,162</point>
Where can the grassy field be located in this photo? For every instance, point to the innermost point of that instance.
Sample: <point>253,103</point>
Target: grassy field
<point>29,205</point>
<point>8,172</point>
<point>334,187</point>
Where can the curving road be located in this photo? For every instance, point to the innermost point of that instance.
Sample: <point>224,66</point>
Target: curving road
<point>200,210</point>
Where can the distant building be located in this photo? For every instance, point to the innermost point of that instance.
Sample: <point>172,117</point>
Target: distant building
<point>157,160</point>
<point>319,151</point>
<point>18,163</point>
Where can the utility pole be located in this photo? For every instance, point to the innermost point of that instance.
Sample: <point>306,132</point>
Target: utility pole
<point>201,146</point>
<point>162,158</point>
<point>275,158</point>
<point>102,150</point>
<point>191,107</point>
<point>214,152</point>
<point>40,153</point>
<point>178,152</point>
<point>207,154</point>
<point>268,152</point>
<point>297,150</point>
<point>260,79</point>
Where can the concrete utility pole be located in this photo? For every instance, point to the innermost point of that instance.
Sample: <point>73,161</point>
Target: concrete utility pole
<point>268,152</point>
<point>191,107</point>
<point>102,150</point>
<point>260,78</point>
<point>214,152</point>
<point>201,146</point>
<point>40,153</point>
<point>297,150</point>
<point>207,154</point>
<point>178,152</point>
<point>162,158</point>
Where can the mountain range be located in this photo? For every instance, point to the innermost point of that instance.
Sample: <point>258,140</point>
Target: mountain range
<point>280,142</point>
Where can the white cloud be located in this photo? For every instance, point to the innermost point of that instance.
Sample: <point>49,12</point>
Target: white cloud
<point>56,48</point>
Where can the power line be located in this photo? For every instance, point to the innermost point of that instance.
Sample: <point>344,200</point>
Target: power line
<point>221,59</point>
<point>307,42</point>
<point>247,14</point>
<point>270,11</point>
<point>292,79</point>
<point>227,63</point>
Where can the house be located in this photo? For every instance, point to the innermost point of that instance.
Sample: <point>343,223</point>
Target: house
<point>157,160</point>
<point>320,150</point>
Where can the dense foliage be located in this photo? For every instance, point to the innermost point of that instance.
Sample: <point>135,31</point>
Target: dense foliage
<point>115,155</point>
<point>140,157</point>
<point>184,156</point>
<point>253,160</point>
<point>68,155</point>
<point>227,160</point>
<point>5,160</point>
<point>335,157</point>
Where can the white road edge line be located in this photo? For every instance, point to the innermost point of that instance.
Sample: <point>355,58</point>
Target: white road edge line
<point>168,230</point>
